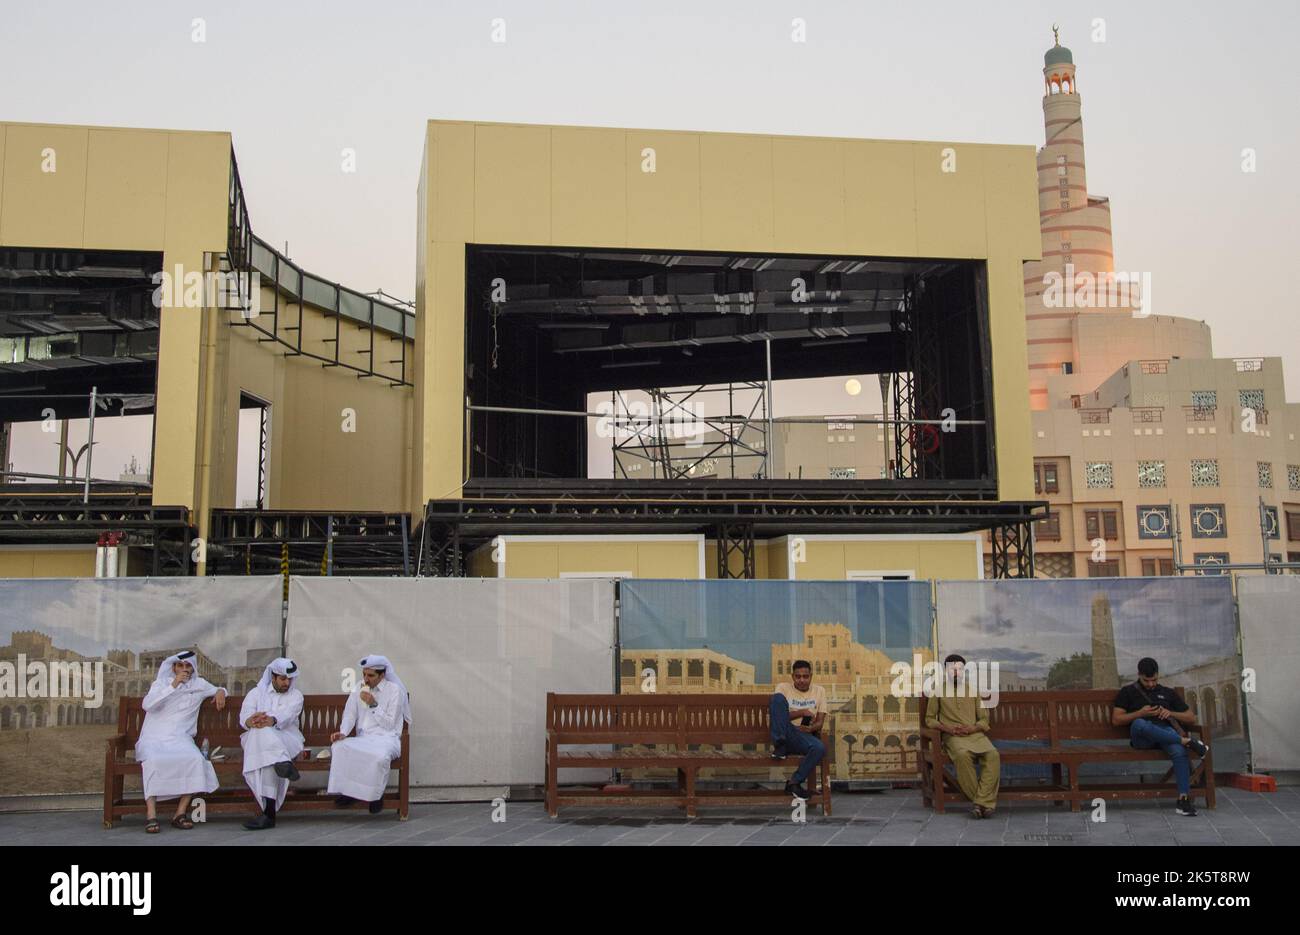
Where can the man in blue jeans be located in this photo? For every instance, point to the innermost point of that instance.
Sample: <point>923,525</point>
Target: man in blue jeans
<point>798,711</point>
<point>1150,711</point>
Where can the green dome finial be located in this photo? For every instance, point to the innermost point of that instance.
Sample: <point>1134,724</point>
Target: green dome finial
<point>1058,54</point>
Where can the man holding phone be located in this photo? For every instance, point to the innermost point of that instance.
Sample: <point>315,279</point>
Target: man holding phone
<point>1154,715</point>
<point>798,710</point>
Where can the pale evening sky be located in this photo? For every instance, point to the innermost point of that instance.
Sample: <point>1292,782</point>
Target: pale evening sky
<point>1170,99</point>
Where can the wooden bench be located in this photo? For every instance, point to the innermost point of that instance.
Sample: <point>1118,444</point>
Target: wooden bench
<point>676,725</point>
<point>321,717</point>
<point>1048,719</point>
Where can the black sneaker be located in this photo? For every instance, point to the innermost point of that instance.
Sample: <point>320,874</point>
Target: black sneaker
<point>778,751</point>
<point>797,790</point>
<point>1185,807</point>
<point>343,801</point>
<point>1198,747</point>
<point>286,770</point>
<point>376,807</point>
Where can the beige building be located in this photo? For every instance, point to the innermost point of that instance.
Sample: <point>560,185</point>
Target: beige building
<point>1149,449</point>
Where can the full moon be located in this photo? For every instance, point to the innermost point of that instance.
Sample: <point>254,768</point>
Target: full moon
<point>852,387</point>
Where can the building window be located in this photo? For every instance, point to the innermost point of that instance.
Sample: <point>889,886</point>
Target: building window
<point>1107,569</point>
<point>1205,472</point>
<point>1048,528</point>
<point>1209,521</point>
<point>1050,482</point>
<point>1251,399</point>
<point>1271,529</point>
<point>834,640</point>
<point>834,667</point>
<point>1101,524</point>
<point>1294,559</point>
<point>1100,474</point>
<point>1205,399</point>
<point>1156,567</point>
<point>1054,565</point>
<point>1265,471</point>
<point>810,646</point>
<point>1208,562</point>
<point>1151,473</point>
<point>1293,476</point>
<point>1154,522</point>
<point>1293,525</point>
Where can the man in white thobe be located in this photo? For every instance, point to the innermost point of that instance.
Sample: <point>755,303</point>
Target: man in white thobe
<point>359,765</point>
<point>170,762</point>
<point>271,739</point>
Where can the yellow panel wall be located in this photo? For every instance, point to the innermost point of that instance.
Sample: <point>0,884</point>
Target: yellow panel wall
<point>556,556</point>
<point>581,187</point>
<point>36,562</point>
<point>833,558</point>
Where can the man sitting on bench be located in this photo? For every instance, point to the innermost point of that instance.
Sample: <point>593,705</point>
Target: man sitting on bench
<point>1154,715</point>
<point>963,723</point>
<point>359,765</point>
<point>797,713</point>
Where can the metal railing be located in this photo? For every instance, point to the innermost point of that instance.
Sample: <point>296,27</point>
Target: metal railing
<point>247,254</point>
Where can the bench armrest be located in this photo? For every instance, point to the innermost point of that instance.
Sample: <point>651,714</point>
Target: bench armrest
<point>117,746</point>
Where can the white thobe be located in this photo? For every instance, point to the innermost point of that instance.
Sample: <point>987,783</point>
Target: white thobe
<point>266,746</point>
<point>169,760</point>
<point>359,765</point>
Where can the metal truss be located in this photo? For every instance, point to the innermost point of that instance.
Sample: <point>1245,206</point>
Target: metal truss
<point>672,409</point>
<point>735,539</point>
<point>250,542</point>
<point>46,518</point>
<point>453,528</point>
<point>1013,550</point>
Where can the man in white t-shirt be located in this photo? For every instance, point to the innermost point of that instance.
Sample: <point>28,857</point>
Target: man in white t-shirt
<point>797,714</point>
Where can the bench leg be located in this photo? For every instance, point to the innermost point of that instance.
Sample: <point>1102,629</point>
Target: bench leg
<point>552,781</point>
<point>1057,780</point>
<point>826,789</point>
<point>937,769</point>
<point>690,791</point>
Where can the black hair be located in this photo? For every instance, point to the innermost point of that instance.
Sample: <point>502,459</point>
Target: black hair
<point>954,658</point>
<point>1147,667</point>
<point>801,664</point>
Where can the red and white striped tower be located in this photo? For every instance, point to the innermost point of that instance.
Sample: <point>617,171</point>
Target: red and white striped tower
<point>1075,227</point>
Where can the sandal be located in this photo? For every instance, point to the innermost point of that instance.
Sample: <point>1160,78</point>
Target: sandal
<point>183,822</point>
<point>151,826</point>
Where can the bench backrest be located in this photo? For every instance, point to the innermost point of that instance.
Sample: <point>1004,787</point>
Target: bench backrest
<point>1051,716</point>
<point>666,719</point>
<point>321,716</point>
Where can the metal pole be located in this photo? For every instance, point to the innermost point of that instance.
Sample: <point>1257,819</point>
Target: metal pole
<point>767,404</point>
<point>90,444</point>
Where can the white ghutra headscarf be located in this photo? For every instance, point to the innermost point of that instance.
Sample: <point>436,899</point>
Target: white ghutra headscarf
<point>375,661</point>
<point>281,666</point>
<point>166,675</point>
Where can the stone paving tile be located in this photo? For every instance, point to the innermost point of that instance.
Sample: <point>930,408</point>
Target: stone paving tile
<point>890,818</point>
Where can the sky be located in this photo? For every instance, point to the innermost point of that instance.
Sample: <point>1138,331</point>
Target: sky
<point>1172,95</point>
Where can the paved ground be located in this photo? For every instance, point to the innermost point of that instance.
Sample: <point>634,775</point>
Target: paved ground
<point>887,818</point>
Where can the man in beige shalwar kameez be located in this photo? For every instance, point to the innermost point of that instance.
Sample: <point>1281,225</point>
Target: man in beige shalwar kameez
<point>964,723</point>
